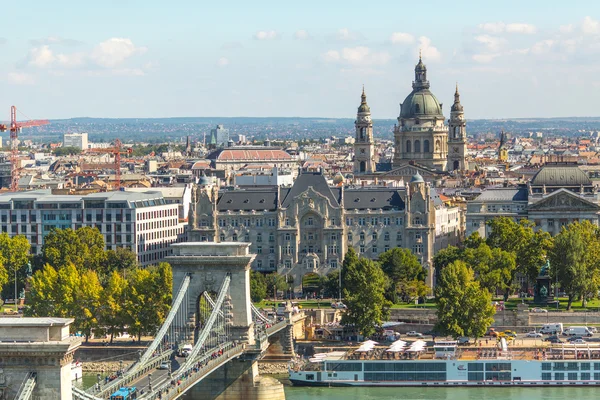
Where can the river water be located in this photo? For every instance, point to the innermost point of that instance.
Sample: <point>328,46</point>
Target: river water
<point>407,393</point>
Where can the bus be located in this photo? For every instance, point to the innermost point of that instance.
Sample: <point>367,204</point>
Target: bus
<point>124,393</point>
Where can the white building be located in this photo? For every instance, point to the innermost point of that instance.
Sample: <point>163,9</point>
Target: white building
<point>263,177</point>
<point>79,140</point>
<point>141,222</point>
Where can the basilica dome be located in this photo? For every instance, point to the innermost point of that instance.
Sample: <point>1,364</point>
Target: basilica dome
<point>421,103</point>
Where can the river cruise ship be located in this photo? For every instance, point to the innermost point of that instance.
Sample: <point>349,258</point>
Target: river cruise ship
<point>445,364</point>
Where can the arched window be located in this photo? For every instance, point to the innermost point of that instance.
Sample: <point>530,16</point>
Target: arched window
<point>362,132</point>
<point>426,146</point>
<point>408,146</point>
<point>417,146</point>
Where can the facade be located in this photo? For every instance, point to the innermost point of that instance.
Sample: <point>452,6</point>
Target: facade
<point>141,222</point>
<point>219,137</point>
<point>558,194</point>
<point>364,145</point>
<point>79,140</point>
<point>263,177</point>
<point>308,227</point>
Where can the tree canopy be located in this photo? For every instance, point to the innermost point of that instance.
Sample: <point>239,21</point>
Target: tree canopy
<point>463,307</point>
<point>405,273</point>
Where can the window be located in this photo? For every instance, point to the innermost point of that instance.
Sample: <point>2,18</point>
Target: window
<point>349,221</point>
<point>559,376</point>
<point>332,221</point>
<point>246,222</point>
<point>288,237</point>
<point>287,222</point>
<point>374,250</point>
<point>287,263</point>
<point>572,376</point>
<point>271,222</point>
<point>222,223</point>
<point>374,235</point>
<point>259,264</point>
<point>585,376</point>
<point>272,250</point>
<point>258,249</point>
<point>551,223</point>
<point>417,221</point>
<point>399,221</point>
<point>362,248</point>
<point>311,236</point>
<point>361,221</point>
<point>272,264</point>
<point>271,237</point>
<point>418,236</point>
<point>349,236</point>
<point>310,221</point>
<point>418,248</point>
<point>234,237</point>
<point>362,236</point>
<point>386,221</point>
<point>546,376</point>
<point>398,236</point>
<point>386,236</point>
<point>386,247</point>
<point>234,222</point>
<point>259,237</point>
<point>333,264</point>
<point>374,220</point>
<point>259,222</point>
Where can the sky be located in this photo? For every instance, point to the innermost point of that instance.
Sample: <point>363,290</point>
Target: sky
<point>180,58</point>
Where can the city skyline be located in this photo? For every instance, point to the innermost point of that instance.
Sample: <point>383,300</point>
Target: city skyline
<point>140,59</point>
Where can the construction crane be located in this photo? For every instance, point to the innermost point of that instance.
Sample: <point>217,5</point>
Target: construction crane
<point>116,150</point>
<point>14,129</point>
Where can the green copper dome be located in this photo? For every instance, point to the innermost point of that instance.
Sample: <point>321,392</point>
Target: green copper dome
<point>421,103</point>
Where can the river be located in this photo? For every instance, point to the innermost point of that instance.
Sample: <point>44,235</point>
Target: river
<point>407,393</point>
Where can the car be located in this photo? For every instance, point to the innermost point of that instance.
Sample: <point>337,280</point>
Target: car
<point>339,305</point>
<point>578,341</point>
<point>510,333</point>
<point>491,332</point>
<point>414,333</point>
<point>463,340</point>
<point>553,339</point>
<point>10,311</point>
<point>573,338</point>
<point>533,334</point>
<point>164,365</point>
<point>538,310</point>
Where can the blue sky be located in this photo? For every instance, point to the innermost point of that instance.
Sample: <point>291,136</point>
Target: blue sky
<point>131,58</point>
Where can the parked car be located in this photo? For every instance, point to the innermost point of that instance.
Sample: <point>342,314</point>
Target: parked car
<point>491,332</point>
<point>339,305</point>
<point>463,340</point>
<point>510,333</point>
<point>553,339</point>
<point>573,338</point>
<point>10,311</point>
<point>164,365</point>
<point>414,333</point>
<point>533,334</point>
<point>538,310</point>
<point>578,341</point>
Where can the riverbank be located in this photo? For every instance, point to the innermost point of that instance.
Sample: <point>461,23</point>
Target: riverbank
<point>104,366</point>
<point>270,368</point>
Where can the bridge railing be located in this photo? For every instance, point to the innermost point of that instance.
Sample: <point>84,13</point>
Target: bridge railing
<point>26,389</point>
<point>111,387</point>
<point>202,367</point>
<point>79,394</point>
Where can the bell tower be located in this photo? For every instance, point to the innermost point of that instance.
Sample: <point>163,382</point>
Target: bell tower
<point>457,136</point>
<point>364,145</point>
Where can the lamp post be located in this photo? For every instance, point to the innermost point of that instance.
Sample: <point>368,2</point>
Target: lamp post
<point>16,293</point>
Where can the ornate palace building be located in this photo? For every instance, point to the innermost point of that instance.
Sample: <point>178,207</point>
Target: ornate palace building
<point>558,194</point>
<point>308,227</point>
<point>424,144</point>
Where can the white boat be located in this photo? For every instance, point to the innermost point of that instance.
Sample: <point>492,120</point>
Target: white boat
<point>76,370</point>
<point>446,365</point>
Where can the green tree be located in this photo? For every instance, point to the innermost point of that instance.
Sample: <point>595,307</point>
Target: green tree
<point>446,256</point>
<point>331,284</point>
<point>92,242</point>
<point>404,271</point>
<point>350,259</point>
<point>463,307</point>
<point>66,151</point>
<point>473,241</point>
<point>530,247</point>
<point>494,268</point>
<point>364,291</point>
<point>86,308</point>
<point>258,286</point>
<point>275,282</point>
<point>575,259</point>
<point>112,309</point>
<point>14,257</point>
<point>41,300</point>
<point>61,247</point>
<point>120,259</point>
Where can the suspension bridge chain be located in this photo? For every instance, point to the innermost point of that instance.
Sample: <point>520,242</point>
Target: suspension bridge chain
<point>79,394</point>
<point>149,353</point>
<point>27,387</point>
<point>208,326</point>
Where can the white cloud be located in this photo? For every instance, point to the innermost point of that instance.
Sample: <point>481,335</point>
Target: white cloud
<point>55,40</point>
<point>114,51</point>
<point>71,60</point>
<point>493,27</point>
<point>542,47</point>
<point>402,38</point>
<point>484,58</point>
<point>301,34</point>
<point>20,78</point>
<point>41,57</point>
<point>520,28</point>
<point>347,34</point>
<point>265,35</point>
<point>223,61</point>
<point>492,43</point>
<point>566,28</point>
<point>429,52</point>
<point>358,56</point>
<point>500,27</point>
<point>590,26</point>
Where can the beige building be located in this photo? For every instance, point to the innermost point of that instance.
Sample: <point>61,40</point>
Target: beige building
<point>308,227</point>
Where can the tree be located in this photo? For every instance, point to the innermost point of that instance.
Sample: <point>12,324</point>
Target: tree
<point>66,151</point>
<point>112,310</point>
<point>404,271</point>
<point>331,284</point>
<point>493,268</point>
<point>61,247</point>
<point>350,260</point>
<point>119,260</point>
<point>92,243</point>
<point>574,260</point>
<point>86,308</point>
<point>42,294</point>
<point>258,286</point>
<point>364,290</point>
<point>275,282</point>
<point>530,247</point>
<point>445,257</point>
<point>463,307</point>
<point>14,257</point>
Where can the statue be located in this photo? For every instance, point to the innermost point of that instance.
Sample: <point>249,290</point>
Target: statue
<point>542,286</point>
<point>28,270</point>
<point>545,270</point>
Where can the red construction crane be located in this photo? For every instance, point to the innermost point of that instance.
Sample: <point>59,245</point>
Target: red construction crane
<point>14,150</point>
<point>116,150</point>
